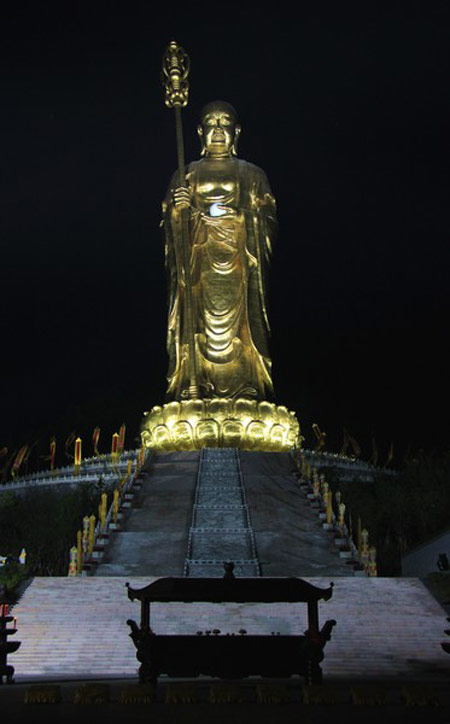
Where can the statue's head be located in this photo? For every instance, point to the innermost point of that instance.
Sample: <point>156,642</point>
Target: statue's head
<point>219,130</point>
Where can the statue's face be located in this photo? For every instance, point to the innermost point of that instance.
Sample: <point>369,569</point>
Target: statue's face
<point>219,133</point>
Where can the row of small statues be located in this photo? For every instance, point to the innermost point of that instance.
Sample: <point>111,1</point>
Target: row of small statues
<point>324,495</point>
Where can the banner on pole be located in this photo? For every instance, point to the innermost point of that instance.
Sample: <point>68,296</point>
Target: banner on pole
<point>68,444</point>
<point>18,461</point>
<point>52,453</point>
<point>122,438</point>
<point>95,439</point>
<point>114,447</point>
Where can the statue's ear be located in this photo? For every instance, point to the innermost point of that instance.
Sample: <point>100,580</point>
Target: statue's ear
<point>202,140</point>
<point>237,133</point>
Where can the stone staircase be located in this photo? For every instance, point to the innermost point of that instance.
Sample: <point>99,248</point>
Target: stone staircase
<point>154,531</point>
<point>289,535</point>
<point>220,529</point>
<point>75,628</point>
<point>196,510</point>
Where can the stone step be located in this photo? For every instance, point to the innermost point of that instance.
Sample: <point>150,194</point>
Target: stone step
<point>288,534</point>
<point>216,496</point>
<point>144,553</point>
<point>217,535</point>
<point>221,481</point>
<point>76,627</point>
<point>202,569</point>
<point>220,517</point>
<point>221,544</point>
<point>154,531</point>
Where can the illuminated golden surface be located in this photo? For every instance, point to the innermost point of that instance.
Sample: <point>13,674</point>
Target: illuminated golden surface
<point>219,220</point>
<point>175,73</point>
<point>246,424</point>
<point>232,223</point>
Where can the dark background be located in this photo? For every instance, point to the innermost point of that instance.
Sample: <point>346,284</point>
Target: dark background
<point>346,108</point>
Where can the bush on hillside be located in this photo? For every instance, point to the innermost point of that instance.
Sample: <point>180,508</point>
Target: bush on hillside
<point>45,522</point>
<point>12,574</point>
<point>401,512</point>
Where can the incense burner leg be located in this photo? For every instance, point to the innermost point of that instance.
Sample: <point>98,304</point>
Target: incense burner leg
<point>7,671</point>
<point>147,674</point>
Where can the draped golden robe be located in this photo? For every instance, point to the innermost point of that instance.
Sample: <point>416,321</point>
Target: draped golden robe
<point>229,258</point>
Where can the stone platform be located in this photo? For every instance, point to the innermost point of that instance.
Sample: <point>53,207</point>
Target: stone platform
<point>75,628</point>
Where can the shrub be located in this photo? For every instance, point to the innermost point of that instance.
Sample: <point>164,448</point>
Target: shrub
<point>12,574</point>
<point>45,523</point>
<point>400,512</point>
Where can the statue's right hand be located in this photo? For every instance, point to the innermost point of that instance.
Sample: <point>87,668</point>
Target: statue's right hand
<point>182,197</point>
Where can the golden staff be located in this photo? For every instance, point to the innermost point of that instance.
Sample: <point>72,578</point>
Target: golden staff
<point>175,71</point>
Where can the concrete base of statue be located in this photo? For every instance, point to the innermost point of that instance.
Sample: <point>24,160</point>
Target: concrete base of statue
<point>244,424</point>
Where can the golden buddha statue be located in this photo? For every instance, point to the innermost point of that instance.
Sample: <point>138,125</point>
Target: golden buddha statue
<point>231,228</point>
<point>218,329</point>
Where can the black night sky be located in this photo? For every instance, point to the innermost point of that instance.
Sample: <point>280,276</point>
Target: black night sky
<point>346,107</point>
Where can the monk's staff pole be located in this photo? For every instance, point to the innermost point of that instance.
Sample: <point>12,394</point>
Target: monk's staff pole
<point>175,80</point>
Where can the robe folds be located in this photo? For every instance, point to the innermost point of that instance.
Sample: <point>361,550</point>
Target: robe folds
<point>229,261</point>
